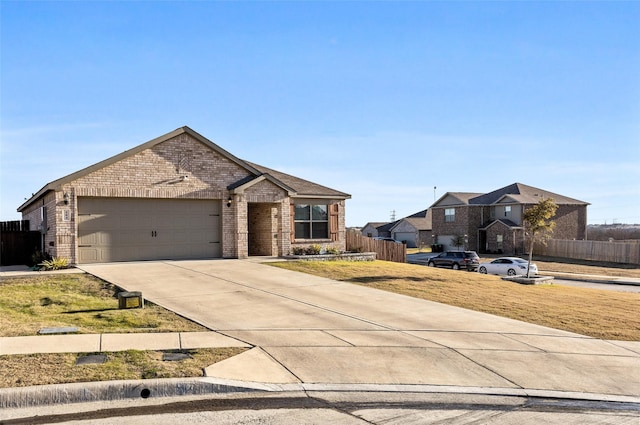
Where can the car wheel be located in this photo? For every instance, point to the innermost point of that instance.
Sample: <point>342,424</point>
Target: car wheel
<point>455,266</point>
<point>483,270</point>
<point>511,272</point>
<point>431,264</point>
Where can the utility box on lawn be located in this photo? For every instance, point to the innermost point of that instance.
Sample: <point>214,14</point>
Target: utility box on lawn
<point>130,300</point>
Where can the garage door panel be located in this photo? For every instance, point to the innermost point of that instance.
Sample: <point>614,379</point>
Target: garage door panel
<point>119,229</point>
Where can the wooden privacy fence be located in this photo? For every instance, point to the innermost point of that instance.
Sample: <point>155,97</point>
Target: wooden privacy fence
<point>627,252</point>
<point>17,243</point>
<point>385,250</point>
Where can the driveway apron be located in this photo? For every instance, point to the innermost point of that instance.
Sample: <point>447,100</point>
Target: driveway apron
<point>313,330</point>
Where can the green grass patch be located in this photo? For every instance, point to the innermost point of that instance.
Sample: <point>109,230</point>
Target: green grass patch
<point>28,304</point>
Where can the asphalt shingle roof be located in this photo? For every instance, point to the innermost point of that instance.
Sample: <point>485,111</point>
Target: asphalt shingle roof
<point>523,194</point>
<point>301,186</point>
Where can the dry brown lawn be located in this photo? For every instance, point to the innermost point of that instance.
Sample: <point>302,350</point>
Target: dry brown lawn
<point>28,304</point>
<point>598,313</point>
<point>41,369</point>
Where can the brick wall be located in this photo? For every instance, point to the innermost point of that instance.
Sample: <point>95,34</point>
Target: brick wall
<point>512,240</point>
<point>263,229</point>
<point>571,222</point>
<point>467,221</point>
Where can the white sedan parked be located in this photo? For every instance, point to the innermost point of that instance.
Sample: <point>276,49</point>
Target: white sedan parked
<point>510,266</point>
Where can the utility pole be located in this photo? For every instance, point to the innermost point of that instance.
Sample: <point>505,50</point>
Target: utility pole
<point>393,215</point>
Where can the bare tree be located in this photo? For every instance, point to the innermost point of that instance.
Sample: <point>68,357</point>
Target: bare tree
<point>458,241</point>
<point>538,224</point>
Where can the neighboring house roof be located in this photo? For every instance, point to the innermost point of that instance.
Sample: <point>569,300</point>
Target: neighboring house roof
<point>522,194</point>
<point>375,224</point>
<point>505,222</point>
<point>293,185</point>
<point>420,220</point>
<point>387,227</point>
<point>516,193</point>
<point>459,198</point>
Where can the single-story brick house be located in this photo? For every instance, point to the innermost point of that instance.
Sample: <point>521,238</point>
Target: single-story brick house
<point>181,196</point>
<point>492,222</point>
<point>413,230</point>
<point>371,228</point>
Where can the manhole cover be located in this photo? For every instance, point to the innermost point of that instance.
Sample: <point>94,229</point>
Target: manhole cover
<point>91,359</point>
<point>175,357</point>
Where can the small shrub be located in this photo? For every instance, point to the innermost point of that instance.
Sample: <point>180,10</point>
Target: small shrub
<point>55,263</point>
<point>332,250</point>
<point>314,249</point>
<point>298,250</point>
<point>37,258</point>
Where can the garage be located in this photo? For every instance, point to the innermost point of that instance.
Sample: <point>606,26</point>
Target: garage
<point>447,242</point>
<point>133,229</point>
<point>407,237</point>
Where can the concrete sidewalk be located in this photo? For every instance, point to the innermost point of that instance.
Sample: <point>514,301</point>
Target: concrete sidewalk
<point>93,343</point>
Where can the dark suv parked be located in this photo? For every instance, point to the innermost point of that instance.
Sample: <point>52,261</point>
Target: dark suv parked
<point>466,260</point>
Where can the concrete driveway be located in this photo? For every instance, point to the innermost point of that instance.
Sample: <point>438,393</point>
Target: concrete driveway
<point>312,330</point>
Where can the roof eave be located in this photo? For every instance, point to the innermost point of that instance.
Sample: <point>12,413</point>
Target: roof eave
<point>46,189</point>
<point>241,188</point>
<point>316,196</point>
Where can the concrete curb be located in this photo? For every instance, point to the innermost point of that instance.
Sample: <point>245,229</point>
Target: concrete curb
<point>535,280</point>
<point>111,390</point>
<point>42,395</point>
<point>590,279</point>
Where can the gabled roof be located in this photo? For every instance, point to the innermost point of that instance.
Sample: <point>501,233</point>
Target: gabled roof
<point>505,222</point>
<point>303,188</point>
<point>421,214</point>
<point>387,226</point>
<point>291,184</point>
<point>420,220</point>
<point>56,184</point>
<point>375,224</point>
<point>519,193</point>
<point>462,198</point>
<point>241,185</point>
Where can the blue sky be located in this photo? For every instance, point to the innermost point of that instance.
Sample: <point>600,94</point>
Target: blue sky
<point>382,100</point>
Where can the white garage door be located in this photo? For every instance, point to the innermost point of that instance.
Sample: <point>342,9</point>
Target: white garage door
<point>447,242</point>
<point>126,229</point>
<point>408,237</point>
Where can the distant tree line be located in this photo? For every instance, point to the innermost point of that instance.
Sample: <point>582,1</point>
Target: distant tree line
<point>604,232</point>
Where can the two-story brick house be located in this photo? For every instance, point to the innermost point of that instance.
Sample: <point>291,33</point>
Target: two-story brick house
<point>182,196</point>
<point>492,222</point>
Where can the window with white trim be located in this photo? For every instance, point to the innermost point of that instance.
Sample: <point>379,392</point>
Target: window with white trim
<point>311,221</point>
<point>507,211</point>
<point>449,215</point>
